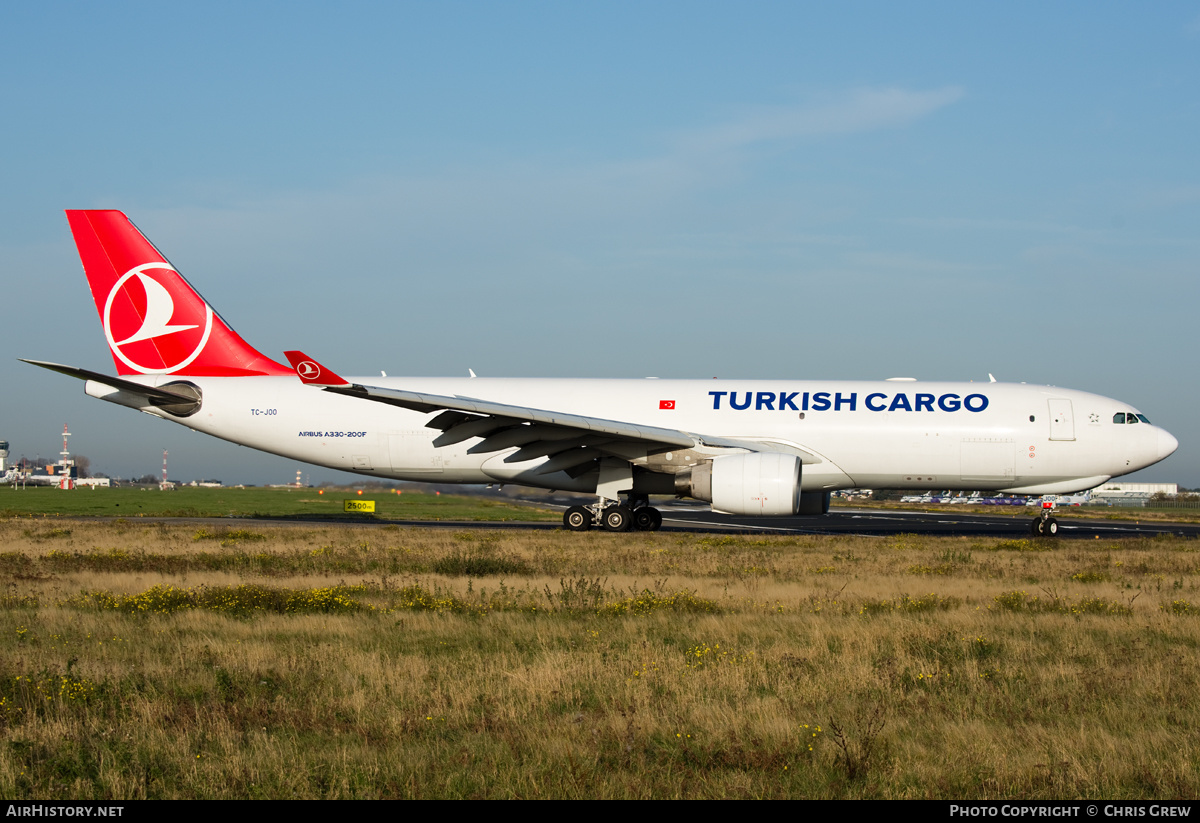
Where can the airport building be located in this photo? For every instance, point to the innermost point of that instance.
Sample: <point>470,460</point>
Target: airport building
<point>1134,491</point>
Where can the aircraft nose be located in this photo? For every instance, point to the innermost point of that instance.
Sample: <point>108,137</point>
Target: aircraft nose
<point>1167,444</point>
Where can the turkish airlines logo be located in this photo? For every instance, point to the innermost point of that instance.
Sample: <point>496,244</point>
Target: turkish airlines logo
<point>308,370</point>
<point>145,328</point>
<point>666,404</point>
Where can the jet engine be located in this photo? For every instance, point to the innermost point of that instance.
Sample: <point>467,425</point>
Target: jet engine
<point>761,483</point>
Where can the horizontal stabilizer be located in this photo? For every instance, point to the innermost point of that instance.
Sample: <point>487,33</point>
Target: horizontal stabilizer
<point>156,395</point>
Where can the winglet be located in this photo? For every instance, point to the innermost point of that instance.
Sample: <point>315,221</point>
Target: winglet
<point>311,372</point>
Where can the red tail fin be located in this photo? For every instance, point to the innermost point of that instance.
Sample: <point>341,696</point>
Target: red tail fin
<point>154,321</point>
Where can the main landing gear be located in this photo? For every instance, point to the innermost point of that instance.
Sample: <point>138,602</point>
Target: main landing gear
<point>1045,525</point>
<point>635,514</point>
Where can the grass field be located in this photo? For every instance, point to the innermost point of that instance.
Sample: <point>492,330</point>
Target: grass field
<point>187,501</point>
<point>175,661</point>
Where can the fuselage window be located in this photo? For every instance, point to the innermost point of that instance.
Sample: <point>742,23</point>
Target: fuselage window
<point>1119,417</point>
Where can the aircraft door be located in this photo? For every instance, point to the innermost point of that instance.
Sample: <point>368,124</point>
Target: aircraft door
<point>988,459</point>
<point>1062,419</point>
<point>413,453</point>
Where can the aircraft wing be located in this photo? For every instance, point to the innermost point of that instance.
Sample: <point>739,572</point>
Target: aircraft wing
<point>569,440</point>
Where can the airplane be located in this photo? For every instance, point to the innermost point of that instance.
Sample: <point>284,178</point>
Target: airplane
<point>746,447</point>
<point>13,477</point>
<point>17,476</point>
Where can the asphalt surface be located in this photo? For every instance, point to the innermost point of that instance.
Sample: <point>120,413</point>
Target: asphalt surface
<point>883,523</point>
<point>863,522</point>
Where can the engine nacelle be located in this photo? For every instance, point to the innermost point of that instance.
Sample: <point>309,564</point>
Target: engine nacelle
<point>761,483</point>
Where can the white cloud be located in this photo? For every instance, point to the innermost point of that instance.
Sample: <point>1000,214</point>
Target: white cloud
<point>1169,197</point>
<point>859,110</point>
<point>638,222</point>
<point>1005,225</point>
<point>902,261</point>
<point>502,202</point>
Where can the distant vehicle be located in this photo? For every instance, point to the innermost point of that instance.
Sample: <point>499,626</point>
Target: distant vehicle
<point>749,447</point>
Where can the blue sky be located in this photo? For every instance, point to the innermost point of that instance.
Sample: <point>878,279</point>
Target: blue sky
<point>792,190</point>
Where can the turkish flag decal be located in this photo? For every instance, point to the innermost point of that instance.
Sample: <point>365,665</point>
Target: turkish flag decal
<point>666,404</point>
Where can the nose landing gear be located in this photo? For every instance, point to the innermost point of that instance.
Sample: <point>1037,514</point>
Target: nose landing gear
<point>1045,525</point>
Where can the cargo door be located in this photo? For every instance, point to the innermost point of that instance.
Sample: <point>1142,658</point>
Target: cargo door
<point>988,460</point>
<point>413,453</point>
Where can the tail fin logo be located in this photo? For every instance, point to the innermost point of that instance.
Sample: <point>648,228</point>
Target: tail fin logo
<point>308,370</point>
<point>144,326</point>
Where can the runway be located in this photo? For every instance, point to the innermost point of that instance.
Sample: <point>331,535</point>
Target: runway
<point>883,523</point>
<point>841,521</point>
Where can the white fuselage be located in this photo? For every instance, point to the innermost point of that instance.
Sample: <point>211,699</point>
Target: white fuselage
<point>890,434</point>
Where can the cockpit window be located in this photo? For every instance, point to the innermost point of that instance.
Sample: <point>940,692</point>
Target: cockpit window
<point>1119,417</point>
<point>1144,419</point>
<point>1131,418</point>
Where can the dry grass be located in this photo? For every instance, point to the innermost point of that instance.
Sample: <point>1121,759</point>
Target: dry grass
<point>555,664</point>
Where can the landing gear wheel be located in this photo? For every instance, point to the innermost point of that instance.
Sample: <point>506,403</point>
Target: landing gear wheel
<point>647,519</point>
<point>617,519</point>
<point>577,519</point>
<point>1039,527</point>
<point>1050,528</point>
